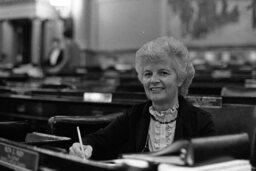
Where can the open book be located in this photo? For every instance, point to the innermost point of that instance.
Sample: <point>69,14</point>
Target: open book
<point>199,150</point>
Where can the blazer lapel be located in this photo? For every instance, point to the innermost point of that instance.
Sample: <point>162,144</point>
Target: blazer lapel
<point>179,130</point>
<point>183,123</point>
<point>142,129</point>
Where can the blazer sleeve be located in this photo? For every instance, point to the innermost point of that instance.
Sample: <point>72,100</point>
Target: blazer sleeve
<point>107,141</point>
<point>206,126</point>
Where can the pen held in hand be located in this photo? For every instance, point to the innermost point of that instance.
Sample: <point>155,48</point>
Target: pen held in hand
<point>80,140</point>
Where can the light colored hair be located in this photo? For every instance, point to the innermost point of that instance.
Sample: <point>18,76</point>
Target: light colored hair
<point>170,47</point>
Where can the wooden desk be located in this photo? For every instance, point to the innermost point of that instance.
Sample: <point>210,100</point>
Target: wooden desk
<point>17,156</point>
<point>39,109</point>
<point>232,165</point>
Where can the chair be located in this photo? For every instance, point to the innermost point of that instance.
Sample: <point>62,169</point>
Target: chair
<point>234,119</point>
<point>66,125</point>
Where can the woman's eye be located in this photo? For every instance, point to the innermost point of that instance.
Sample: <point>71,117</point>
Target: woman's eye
<point>147,74</point>
<point>163,73</point>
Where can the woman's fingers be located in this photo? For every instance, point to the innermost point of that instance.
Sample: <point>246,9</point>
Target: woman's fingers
<point>76,150</point>
<point>87,151</point>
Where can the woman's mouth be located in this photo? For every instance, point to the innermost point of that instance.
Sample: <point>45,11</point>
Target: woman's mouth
<point>156,88</point>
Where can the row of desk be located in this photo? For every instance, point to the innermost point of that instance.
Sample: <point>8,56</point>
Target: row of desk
<point>38,99</point>
<point>39,106</point>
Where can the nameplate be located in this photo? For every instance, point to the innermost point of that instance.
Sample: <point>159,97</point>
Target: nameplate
<point>205,101</point>
<point>221,74</point>
<point>250,83</point>
<point>97,97</point>
<point>17,158</point>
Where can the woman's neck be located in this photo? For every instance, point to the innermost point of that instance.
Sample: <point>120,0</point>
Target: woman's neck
<point>164,106</point>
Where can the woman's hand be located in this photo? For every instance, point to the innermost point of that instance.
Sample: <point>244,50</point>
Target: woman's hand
<point>76,150</point>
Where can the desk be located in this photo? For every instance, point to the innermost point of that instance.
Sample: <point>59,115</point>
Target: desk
<point>40,159</point>
<point>233,165</point>
<point>40,109</point>
<point>17,156</point>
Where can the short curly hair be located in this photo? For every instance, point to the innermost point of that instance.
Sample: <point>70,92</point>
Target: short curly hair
<point>172,48</point>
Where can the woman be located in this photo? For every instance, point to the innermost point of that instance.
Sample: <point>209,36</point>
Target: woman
<point>63,57</point>
<point>164,69</point>
<point>56,57</point>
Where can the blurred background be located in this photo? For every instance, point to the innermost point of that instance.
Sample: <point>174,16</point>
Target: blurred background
<point>65,63</point>
<point>108,32</point>
<point>57,54</point>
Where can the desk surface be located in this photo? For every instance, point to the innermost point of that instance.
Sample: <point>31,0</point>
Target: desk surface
<point>233,165</point>
<point>51,160</point>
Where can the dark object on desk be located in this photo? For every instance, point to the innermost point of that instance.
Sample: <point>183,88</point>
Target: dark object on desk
<point>253,151</point>
<point>236,146</point>
<point>14,130</point>
<point>198,151</point>
<point>66,125</point>
<point>52,142</point>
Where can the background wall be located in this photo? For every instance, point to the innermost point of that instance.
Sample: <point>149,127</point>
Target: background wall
<point>117,27</point>
<point>122,24</point>
<point>112,30</point>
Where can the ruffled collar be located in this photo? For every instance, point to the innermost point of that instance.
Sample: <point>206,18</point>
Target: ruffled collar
<point>164,117</point>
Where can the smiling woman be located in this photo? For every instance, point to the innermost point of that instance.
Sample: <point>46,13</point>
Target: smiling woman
<point>172,51</point>
<point>165,70</point>
<point>163,67</point>
<point>161,84</point>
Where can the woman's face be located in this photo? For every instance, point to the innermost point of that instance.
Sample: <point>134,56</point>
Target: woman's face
<point>160,81</point>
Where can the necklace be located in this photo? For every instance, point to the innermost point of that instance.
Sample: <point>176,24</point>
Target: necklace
<point>171,110</point>
<point>161,122</point>
<point>171,113</point>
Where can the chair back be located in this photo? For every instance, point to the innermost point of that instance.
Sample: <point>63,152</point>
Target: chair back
<point>66,125</point>
<point>232,119</point>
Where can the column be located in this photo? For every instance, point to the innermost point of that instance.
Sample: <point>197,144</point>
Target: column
<point>36,41</point>
<point>1,39</point>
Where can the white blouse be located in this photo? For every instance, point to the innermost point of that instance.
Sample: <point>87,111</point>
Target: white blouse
<point>161,129</point>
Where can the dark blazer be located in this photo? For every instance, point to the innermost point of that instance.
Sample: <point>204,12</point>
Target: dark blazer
<point>128,133</point>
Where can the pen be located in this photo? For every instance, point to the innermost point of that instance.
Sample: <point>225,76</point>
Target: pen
<point>80,140</point>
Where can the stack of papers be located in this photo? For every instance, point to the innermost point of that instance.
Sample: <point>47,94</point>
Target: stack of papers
<point>233,165</point>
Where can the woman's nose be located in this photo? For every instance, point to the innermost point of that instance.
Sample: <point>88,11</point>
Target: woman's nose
<point>154,78</point>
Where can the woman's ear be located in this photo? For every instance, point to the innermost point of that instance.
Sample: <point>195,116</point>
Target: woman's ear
<point>180,82</point>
